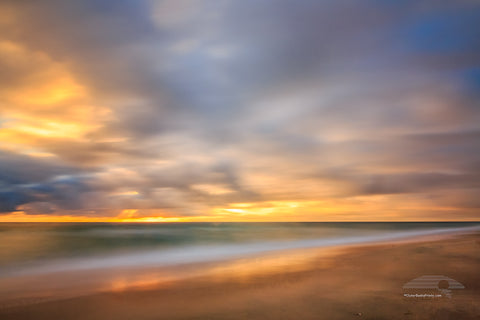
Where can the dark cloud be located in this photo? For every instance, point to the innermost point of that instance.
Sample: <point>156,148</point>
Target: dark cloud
<point>61,193</point>
<point>22,169</point>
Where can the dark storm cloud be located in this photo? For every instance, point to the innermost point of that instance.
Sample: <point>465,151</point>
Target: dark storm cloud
<point>22,169</point>
<point>61,193</point>
<point>25,179</point>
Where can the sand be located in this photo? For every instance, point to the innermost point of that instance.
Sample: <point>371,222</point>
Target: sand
<point>361,282</point>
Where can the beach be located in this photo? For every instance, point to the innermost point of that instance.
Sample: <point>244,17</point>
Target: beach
<point>227,160</point>
<point>343,282</point>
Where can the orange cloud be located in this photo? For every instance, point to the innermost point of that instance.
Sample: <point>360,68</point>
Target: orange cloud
<point>47,102</point>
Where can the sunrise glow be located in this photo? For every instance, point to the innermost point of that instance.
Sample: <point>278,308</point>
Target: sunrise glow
<point>160,111</point>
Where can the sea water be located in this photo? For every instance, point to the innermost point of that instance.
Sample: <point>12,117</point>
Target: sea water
<point>31,253</point>
<point>40,246</point>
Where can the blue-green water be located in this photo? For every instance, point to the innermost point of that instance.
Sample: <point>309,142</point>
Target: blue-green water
<point>54,247</point>
<point>44,261</point>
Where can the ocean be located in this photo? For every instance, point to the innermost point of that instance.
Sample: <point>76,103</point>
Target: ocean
<point>30,246</point>
<point>35,256</point>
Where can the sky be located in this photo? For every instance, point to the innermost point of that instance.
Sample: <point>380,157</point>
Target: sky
<point>251,110</point>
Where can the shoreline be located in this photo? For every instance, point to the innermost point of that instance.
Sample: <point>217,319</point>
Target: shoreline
<point>228,252</point>
<point>323,265</point>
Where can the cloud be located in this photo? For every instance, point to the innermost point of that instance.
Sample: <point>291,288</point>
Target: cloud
<point>190,108</point>
<point>24,180</point>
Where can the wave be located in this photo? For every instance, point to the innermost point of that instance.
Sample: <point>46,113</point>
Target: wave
<point>215,252</point>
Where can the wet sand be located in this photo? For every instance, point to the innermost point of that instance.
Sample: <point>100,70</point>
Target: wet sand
<point>362,282</point>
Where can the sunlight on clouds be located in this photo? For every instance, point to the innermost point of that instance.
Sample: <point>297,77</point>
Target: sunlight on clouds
<point>125,193</point>
<point>379,207</point>
<point>44,104</point>
<point>177,110</point>
<point>39,154</point>
<point>127,214</point>
<point>51,129</point>
<point>21,216</point>
<point>60,89</point>
<point>273,208</point>
<point>152,219</point>
<point>48,83</point>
